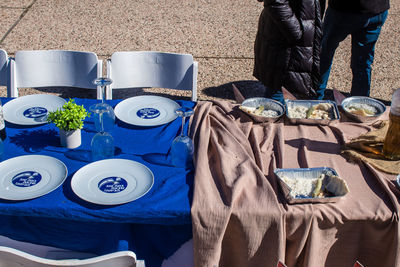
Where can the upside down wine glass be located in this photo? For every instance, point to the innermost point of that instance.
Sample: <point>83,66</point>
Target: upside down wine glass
<point>104,118</point>
<point>182,147</point>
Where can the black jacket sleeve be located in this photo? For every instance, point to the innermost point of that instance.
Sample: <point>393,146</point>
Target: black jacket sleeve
<point>285,19</point>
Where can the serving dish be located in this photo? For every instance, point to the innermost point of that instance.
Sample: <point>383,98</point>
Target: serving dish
<point>262,109</point>
<point>307,107</point>
<point>311,185</point>
<point>362,108</point>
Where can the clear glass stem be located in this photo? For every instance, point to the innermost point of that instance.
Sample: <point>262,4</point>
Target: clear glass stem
<point>101,122</point>
<point>103,94</point>
<point>182,126</point>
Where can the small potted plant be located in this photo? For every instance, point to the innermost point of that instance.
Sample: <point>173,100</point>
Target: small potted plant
<point>69,120</point>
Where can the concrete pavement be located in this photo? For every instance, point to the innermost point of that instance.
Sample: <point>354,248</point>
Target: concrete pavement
<point>219,34</point>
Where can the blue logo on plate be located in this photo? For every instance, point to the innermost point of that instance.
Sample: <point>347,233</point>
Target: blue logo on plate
<point>112,184</point>
<point>35,112</point>
<point>26,179</point>
<point>148,113</point>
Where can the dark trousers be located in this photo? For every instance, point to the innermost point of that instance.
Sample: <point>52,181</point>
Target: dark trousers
<point>364,30</point>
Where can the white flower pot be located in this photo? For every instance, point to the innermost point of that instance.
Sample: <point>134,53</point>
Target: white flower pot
<point>70,139</point>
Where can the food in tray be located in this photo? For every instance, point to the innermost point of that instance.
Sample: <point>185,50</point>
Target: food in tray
<point>318,111</point>
<point>318,187</point>
<point>361,109</point>
<point>260,111</point>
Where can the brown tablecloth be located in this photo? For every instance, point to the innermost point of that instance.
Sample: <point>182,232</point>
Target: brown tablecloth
<point>240,217</point>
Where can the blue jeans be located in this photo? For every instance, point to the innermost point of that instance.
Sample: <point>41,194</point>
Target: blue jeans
<point>364,30</point>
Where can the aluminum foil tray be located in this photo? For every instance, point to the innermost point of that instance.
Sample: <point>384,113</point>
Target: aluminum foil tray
<point>310,173</point>
<point>347,102</point>
<point>268,104</point>
<point>309,103</point>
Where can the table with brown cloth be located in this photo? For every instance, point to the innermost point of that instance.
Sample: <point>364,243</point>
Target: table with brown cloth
<point>240,217</point>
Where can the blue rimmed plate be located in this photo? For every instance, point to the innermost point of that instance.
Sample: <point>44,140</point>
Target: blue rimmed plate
<point>30,176</point>
<point>31,109</point>
<point>146,110</point>
<point>112,181</point>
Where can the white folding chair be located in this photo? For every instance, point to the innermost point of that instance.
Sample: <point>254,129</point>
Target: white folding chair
<point>54,68</point>
<point>10,257</point>
<point>4,68</point>
<point>149,69</point>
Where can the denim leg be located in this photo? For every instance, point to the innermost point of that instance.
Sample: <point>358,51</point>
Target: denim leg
<point>278,96</point>
<point>336,27</point>
<point>362,54</point>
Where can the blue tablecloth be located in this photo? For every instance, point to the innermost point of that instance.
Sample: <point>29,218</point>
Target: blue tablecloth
<point>153,226</point>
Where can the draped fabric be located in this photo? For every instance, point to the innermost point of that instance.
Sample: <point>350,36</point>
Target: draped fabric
<point>240,217</point>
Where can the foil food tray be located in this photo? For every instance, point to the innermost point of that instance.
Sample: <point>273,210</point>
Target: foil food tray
<point>308,104</point>
<point>347,102</point>
<point>308,173</point>
<point>268,104</point>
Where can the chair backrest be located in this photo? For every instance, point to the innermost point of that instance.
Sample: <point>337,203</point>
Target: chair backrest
<point>54,68</point>
<point>146,69</point>
<point>4,74</point>
<point>10,257</point>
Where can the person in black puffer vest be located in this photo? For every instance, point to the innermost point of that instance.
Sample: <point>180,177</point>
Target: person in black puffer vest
<point>363,20</point>
<point>287,47</point>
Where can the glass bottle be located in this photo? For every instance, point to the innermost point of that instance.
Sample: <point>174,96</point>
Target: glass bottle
<point>391,145</point>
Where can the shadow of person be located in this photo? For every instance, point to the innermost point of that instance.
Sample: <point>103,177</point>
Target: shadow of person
<point>248,89</point>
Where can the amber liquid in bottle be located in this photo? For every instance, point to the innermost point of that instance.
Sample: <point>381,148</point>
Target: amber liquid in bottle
<point>391,145</point>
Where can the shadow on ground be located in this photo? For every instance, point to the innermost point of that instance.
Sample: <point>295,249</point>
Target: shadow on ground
<point>247,88</point>
<point>256,89</point>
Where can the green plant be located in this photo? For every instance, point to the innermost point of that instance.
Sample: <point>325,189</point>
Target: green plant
<point>70,117</point>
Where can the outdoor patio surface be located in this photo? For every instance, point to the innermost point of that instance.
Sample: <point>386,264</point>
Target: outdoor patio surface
<point>219,34</point>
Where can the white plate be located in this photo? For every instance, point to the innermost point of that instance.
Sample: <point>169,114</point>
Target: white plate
<point>31,109</point>
<point>146,110</point>
<point>30,176</point>
<point>112,181</point>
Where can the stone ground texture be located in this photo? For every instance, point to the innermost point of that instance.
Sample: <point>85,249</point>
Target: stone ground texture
<point>219,34</point>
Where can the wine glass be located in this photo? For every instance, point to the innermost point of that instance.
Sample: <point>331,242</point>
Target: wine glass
<point>104,118</point>
<point>102,146</point>
<point>104,115</point>
<point>182,146</point>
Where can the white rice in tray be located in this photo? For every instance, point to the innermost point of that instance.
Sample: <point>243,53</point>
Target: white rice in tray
<point>300,187</point>
<point>298,112</point>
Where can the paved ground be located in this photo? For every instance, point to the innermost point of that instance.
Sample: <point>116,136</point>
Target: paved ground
<point>219,34</point>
